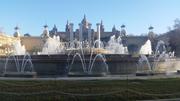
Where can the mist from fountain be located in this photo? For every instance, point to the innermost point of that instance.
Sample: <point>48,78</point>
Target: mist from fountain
<point>146,48</point>
<point>160,54</point>
<point>52,46</point>
<point>115,46</point>
<point>75,44</point>
<point>18,49</point>
<point>160,48</point>
<point>98,43</point>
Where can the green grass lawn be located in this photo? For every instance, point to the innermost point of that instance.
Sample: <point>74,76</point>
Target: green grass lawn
<point>94,90</point>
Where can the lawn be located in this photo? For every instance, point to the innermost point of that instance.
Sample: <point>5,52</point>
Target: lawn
<point>93,90</point>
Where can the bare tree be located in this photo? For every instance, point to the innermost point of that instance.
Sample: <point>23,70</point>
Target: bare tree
<point>177,23</point>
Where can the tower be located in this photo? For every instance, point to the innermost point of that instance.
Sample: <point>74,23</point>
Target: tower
<point>84,22</point>
<point>67,29</point>
<point>53,31</point>
<point>84,27</point>
<point>16,34</point>
<point>102,27</point>
<point>114,29</point>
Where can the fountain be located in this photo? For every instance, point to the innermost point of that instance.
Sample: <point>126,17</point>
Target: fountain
<point>155,67</point>
<point>82,56</point>
<point>19,66</point>
<point>146,48</point>
<point>160,55</point>
<point>160,48</point>
<point>18,63</point>
<point>83,65</point>
<point>52,46</point>
<point>85,56</point>
<point>115,46</point>
<point>144,66</point>
<point>18,48</point>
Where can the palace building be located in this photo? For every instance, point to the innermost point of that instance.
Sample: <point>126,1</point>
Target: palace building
<point>34,44</point>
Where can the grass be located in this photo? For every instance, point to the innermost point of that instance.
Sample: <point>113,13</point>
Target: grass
<point>94,90</point>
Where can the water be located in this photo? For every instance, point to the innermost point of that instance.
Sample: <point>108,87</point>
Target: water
<point>144,64</point>
<point>87,65</point>
<point>18,49</point>
<point>115,46</point>
<point>82,62</point>
<point>160,48</point>
<point>21,64</point>
<point>160,55</point>
<point>146,48</point>
<point>98,67</point>
<point>81,57</point>
<point>98,44</point>
<point>52,46</point>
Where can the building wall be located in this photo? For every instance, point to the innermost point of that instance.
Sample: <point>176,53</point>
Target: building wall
<point>32,44</point>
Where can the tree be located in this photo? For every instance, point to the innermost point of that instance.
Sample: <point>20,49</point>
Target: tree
<point>176,23</point>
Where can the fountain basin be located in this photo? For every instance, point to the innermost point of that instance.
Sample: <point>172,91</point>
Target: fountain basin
<point>88,51</point>
<point>71,74</point>
<point>56,65</point>
<point>144,73</point>
<point>178,71</point>
<point>19,74</point>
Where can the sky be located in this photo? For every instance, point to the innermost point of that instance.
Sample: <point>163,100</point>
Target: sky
<point>137,15</point>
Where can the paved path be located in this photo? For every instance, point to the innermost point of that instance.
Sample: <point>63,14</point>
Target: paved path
<point>175,99</point>
<point>110,77</point>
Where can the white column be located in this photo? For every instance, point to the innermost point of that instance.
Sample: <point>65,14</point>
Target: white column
<point>71,34</point>
<point>89,33</point>
<point>80,32</point>
<point>98,35</point>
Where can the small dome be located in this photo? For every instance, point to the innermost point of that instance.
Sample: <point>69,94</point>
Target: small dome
<point>16,34</point>
<point>123,26</point>
<point>151,28</point>
<point>45,26</point>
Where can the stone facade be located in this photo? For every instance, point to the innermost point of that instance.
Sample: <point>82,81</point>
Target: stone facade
<point>86,26</point>
<point>32,44</point>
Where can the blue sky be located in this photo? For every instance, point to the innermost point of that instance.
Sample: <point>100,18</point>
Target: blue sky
<point>137,15</point>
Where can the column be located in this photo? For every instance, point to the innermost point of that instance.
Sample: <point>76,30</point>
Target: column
<point>80,33</point>
<point>89,33</point>
<point>71,35</point>
<point>98,35</point>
